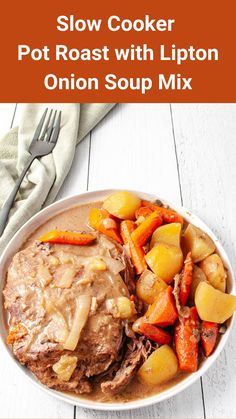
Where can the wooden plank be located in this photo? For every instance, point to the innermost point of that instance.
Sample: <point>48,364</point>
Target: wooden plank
<point>76,181</point>
<point>18,397</point>
<point>205,139</point>
<point>134,148</point>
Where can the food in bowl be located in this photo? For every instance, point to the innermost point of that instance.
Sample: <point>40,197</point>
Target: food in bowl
<point>116,300</point>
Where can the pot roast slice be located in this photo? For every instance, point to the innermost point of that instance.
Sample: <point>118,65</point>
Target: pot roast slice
<point>43,282</point>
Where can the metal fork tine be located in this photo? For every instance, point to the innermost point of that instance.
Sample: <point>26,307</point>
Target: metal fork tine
<point>39,127</point>
<point>49,131</point>
<point>56,130</point>
<point>46,126</point>
<point>40,146</point>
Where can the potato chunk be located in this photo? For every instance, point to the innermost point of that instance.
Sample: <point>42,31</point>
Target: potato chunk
<point>65,367</point>
<point>122,204</point>
<point>161,366</point>
<point>165,261</point>
<point>198,243</point>
<point>168,233</point>
<point>214,270</point>
<point>126,308</point>
<point>148,286</point>
<point>213,305</point>
<point>198,276</point>
<point>121,307</point>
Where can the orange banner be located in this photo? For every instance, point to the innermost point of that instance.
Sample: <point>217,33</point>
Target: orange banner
<point>150,51</point>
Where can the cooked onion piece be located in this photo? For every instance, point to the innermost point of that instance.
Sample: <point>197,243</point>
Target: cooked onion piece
<point>83,304</point>
<point>57,329</point>
<point>44,275</point>
<point>65,367</point>
<point>65,276</point>
<point>114,265</point>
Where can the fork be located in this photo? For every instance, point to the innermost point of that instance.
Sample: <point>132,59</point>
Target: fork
<point>43,142</point>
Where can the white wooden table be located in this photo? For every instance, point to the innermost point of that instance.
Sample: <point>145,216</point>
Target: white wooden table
<point>187,154</point>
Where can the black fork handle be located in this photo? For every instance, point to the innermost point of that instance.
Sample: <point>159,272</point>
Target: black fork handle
<point>4,212</point>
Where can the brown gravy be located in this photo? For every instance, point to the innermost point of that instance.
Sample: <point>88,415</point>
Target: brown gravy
<point>134,391</point>
<point>75,219</point>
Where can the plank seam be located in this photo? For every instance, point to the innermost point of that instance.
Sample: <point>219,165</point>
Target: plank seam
<point>181,197</point>
<point>89,159</point>
<point>13,117</point>
<point>87,187</point>
<point>203,398</point>
<point>176,155</point>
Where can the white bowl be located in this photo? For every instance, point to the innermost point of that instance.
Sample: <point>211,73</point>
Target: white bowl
<point>59,206</point>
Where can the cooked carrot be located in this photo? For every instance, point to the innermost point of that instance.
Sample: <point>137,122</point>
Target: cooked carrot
<point>136,252</point>
<point>156,334</point>
<point>186,280</point>
<point>143,232</point>
<point>143,212</point>
<point>186,341</point>
<point>163,311</point>
<point>96,221</point>
<point>168,215</point>
<point>16,332</point>
<point>67,237</point>
<point>209,336</point>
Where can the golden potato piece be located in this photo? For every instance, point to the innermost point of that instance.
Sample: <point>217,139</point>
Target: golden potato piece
<point>161,366</point>
<point>165,261</point>
<point>168,233</point>
<point>198,242</point>
<point>214,270</point>
<point>126,308</point>
<point>213,305</point>
<point>148,286</point>
<point>122,204</point>
<point>198,276</point>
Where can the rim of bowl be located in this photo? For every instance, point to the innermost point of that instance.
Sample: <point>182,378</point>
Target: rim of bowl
<point>92,196</point>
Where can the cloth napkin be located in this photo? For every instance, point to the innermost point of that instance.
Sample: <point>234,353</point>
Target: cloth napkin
<point>47,174</point>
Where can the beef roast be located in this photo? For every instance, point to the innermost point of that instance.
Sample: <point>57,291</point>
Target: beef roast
<point>43,282</point>
<point>136,353</point>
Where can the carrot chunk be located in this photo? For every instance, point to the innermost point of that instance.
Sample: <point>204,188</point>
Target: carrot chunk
<point>16,332</point>
<point>143,212</point>
<point>136,252</point>
<point>144,231</point>
<point>209,336</point>
<point>67,237</point>
<point>186,279</point>
<point>186,341</point>
<point>168,215</point>
<point>163,311</point>
<point>96,221</point>
<point>156,334</point>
